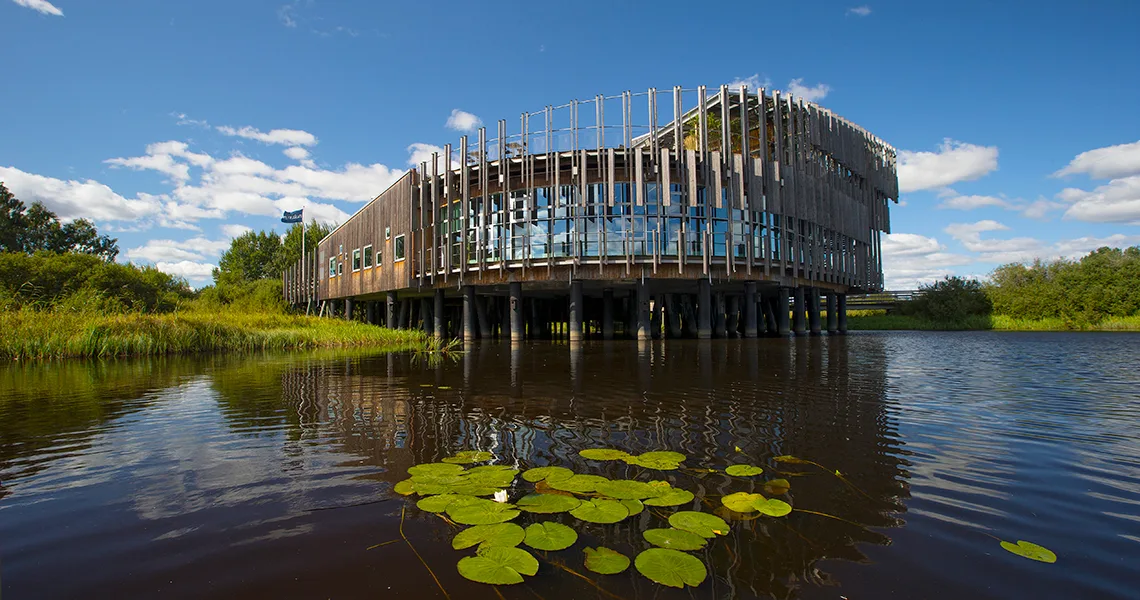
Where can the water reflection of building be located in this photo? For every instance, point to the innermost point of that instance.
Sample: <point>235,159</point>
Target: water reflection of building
<point>822,399</point>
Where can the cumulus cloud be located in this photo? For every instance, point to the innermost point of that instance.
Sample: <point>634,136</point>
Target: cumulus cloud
<point>299,154</point>
<point>286,137</point>
<point>814,93</point>
<point>42,6</point>
<point>1017,249</point>
<point>754,82</point>
<point>953,162</point>
<point>1110,162</point>
<point>859,11</point>
<point>910,260</point>
<point>233,230</point>
<point>463,121</point>
<point>422,153</point>
<point>952,200</point>
<point>171,251</point>
<point>73,199</point>
<point>195,272</point>
<point>162,157</point>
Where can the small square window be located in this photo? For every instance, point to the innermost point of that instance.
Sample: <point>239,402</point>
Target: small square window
<point>368,256</point>
<point>356,260</point>
<point>387,233</point>
<point>340,268</point>
<point>399,248</point>
<point>332,267</point>
<point>379,256</point>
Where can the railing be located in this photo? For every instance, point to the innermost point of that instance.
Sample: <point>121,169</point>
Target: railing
<point>881,300</point>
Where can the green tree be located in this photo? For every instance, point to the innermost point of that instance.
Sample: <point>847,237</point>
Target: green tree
<point>950,299</point>
<point>251,256</point>
<point>291,246</point>
<point>35,229</point>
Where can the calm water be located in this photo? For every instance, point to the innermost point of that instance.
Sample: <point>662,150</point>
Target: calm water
<point>232,477</point>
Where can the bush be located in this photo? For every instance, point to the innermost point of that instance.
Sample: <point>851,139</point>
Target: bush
<point>77,282</point>
<point>262,295</point>
<point>951,299</point>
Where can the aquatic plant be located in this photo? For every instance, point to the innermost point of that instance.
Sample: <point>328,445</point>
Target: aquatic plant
<point>456,488</point>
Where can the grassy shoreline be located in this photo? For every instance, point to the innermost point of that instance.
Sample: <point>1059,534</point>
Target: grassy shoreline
<point>878,321</point>
<point>49,334</point>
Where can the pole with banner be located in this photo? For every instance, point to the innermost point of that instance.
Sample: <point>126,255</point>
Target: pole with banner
<point>298,216</point>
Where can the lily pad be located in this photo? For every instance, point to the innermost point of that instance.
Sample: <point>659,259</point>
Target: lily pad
<point>471,489</point>
<point>491,469</point>
<point>498,566</point>
<point>405,487</point>
<point>743,470</point>
<point>578,483</point>
<point>547,503</point>
<point>742,502</point>
<point>603,454</point>
<point>777,487</point>
<point>673,497</point>
<point>657,464</point>
<point>496,479</point>
<point>671,567</point>
<point>435,469</point>
<point>663,455</point>
<point>438,504</point>
<point>467,457</point>
<point>550,536</point>
<point>483,512</point>
<point>787,458</point>
<point>702,524</point>
<point>674,538</point>
<point>499,534</point>
<point>601,511</point>
<point>605,561</point>
<point>1031,551</point>
<point>430,489</point>
<point>633,506</point>
<point>772,507</point>
<point>627,489</point>
<point>547,473</point>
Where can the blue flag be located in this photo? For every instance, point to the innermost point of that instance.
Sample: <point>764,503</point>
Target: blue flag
<point>293,217</point>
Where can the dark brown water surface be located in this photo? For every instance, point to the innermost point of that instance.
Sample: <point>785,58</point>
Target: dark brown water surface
<point>236,476</point>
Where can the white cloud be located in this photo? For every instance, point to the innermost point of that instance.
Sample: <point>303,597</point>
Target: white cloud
<point>1117,201</point>
<point>161,157</point>
<point>859,11</point>
<point>953,162</point>
<point>910,260</point>
<point>42,6</point>
<point>1038,209</point>
<point>1111,162</point>
<point>296,153</point>
<point>463,121</point>
<point>1018,249</point>
<point>193,249</point>
<point>287,137</point>
<point>957,202</point>
<point>422,153</point>
<point>233,230</point>
<point>754,82</point>
<point>287,14</point>
<point>195,272</point>
<point>185,120</point>
<point>72,199</point>
<point>814,93</point>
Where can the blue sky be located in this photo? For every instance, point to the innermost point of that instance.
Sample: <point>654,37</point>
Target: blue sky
<point>178,125</point>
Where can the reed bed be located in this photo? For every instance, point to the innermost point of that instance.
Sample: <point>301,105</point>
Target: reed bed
<point>880,321</point>
<point>45,334</point>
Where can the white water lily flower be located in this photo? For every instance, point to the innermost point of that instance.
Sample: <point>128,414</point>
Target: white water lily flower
<point>501,496</point>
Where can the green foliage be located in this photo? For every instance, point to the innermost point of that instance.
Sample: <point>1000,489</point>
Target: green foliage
<point>264,255</point>
<point>85,282</point>
<point>604,561</point>
<point>950,299</point>
<point>37,229</point>
<point>1080,293</point>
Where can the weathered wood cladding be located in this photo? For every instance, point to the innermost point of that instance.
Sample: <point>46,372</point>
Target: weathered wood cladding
<point>745,186</point>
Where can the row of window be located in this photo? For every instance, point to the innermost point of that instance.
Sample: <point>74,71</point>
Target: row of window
<point>363,258</point>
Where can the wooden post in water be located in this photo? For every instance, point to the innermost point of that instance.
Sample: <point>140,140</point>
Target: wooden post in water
<point>469,317</point>
<point>781,310</point>
<point>750,309</point>
<point>576,310</point>
<point>732,320</point>
<point>608,314</point>
<point>832,314</point>
<point>643,330</point>
<point>480,304</point>
<point>348,306</point>
<point>390,312</point>
<point>369,312</point>
<point>841,301</point>
<point>425,316</point>
<point>704,309</point>
<point>799,324</point>
<point>440,325</point>
<point>813,310</point>
<point>515,311</point>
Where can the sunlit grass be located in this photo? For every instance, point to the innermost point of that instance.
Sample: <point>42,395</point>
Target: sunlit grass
<point>880,321</point>
<point>38,334</point>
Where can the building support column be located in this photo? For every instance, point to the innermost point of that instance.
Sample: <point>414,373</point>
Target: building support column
<point>643,322</point>
<point>799,323</point>
<point>832,314</point>
<point>370,312</point>
<point>732,320</point>
<point>719,315</point>
<point>390,312</point>
<point>348,306</point>
<point>750,309</point>
<point>768,313</point>
<point>425,315</point>
<point>673,315</point>
<point>440,328</point>
<point>480,306</point>
<point>470,319</point>
<point>841,301</point>
<point>813,310</point>
<point>655,316</point>
<point>704,309</point>
<point>576,311</point>
<point>608,314</point>
<point>515,311</point>
<point>781,310</point>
